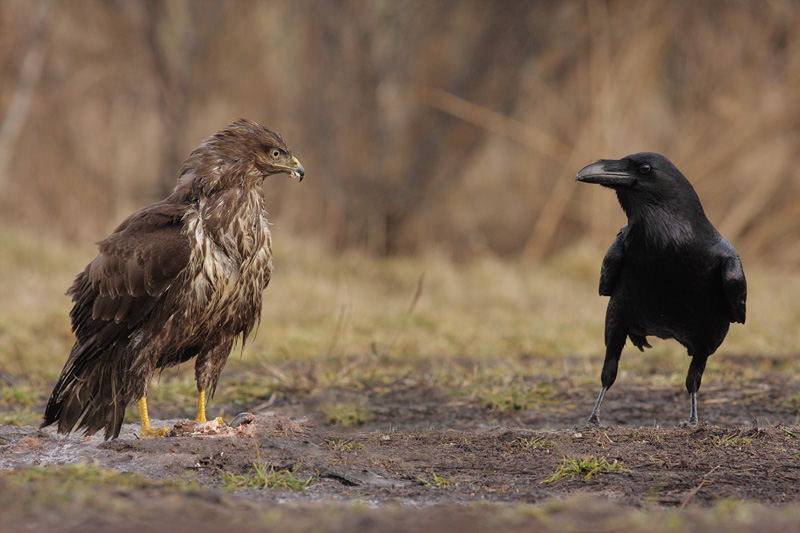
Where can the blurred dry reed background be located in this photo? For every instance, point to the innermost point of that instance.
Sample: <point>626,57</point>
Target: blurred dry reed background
<point>450,125</point>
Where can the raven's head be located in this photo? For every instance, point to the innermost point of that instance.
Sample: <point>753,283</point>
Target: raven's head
<point>643,182</point>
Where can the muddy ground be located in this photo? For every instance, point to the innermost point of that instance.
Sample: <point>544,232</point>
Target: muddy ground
<point>424,452</point>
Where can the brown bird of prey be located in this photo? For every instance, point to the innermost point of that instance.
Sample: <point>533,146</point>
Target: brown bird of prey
<point>179,279</point>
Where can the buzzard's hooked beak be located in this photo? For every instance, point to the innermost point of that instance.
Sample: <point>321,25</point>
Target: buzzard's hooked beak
<point>297,170</point>
<point>607,172</point>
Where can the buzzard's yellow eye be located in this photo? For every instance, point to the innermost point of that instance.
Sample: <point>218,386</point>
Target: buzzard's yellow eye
<point>276,153</point>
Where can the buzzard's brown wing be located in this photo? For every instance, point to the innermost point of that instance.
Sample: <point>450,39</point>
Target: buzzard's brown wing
<point>136,265</point>
<point>117,293</point>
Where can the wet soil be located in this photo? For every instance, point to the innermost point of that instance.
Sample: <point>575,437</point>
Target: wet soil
<point>423,446</point>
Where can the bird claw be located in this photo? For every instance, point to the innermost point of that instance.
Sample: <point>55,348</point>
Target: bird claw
<point>691,423</point>
<point>593,422</point>
<point>148,433</point>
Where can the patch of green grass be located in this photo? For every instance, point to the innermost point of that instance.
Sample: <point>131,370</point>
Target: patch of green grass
<point>534,443</point>
<point>265,477</point>
<point>346,414</point>
<point>437,482</point>
<point>244,392</point>
<point>71,477</point>
<point>514,396</point>
<point>21,417</point>
<point>570,467</point>
<point>19,394</point>
<point>181,391</point>
<point>730,441</point>
<point>89,488</point>
<point>343,445</point>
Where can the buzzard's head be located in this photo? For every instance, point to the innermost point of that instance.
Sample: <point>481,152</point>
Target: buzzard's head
<point>265,148</point>
<point>242,154</point>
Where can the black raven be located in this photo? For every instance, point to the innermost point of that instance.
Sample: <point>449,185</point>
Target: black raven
<point>669,272</point>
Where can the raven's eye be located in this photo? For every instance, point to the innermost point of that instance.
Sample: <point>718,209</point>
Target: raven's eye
<point>276,153</point>
<point>644,168</point>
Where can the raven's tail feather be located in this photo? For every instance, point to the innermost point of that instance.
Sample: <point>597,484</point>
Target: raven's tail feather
<point>640,341</point>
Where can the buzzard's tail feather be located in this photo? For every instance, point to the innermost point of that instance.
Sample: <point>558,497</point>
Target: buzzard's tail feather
<point>90,392</point>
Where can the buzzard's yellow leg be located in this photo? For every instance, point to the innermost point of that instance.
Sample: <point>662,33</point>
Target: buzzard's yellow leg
<point>147,431</point>
<point>201,409</point>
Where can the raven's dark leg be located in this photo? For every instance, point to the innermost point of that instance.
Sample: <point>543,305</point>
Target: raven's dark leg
<point>693,379</point>
<point>594,418</point>
<point>615,341</point>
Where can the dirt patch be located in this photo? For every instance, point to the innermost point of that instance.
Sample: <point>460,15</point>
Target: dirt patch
<point>670,467</point>
<point>423,446</point>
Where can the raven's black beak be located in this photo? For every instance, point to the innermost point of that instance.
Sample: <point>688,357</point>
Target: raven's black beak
<point>606,172</point>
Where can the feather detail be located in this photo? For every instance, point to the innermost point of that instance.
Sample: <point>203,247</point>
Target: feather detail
<point>179,279</point>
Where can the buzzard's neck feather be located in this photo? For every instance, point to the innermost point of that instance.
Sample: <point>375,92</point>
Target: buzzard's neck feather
<point>232,259</point>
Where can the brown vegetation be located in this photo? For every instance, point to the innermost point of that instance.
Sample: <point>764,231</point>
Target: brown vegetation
<point>422,123</point>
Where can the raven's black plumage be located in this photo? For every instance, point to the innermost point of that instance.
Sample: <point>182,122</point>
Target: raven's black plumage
<point>669,273</point>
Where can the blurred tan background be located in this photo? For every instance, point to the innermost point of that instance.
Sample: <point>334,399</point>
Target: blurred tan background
<point>422,124</point>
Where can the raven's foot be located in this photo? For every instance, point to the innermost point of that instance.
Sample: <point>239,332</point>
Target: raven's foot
<point>594,418</point>
<point>148,433</point>
<point>693,421</point>
<point>593,422</point>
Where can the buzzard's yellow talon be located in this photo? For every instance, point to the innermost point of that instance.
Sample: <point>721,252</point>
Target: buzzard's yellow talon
<point>147,431</point>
